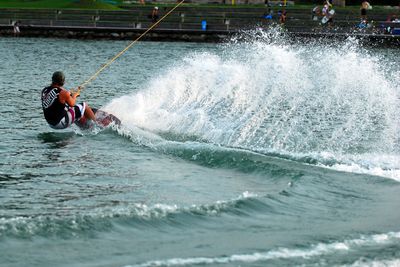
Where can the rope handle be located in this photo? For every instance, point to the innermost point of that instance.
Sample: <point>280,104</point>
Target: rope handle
<point>82,86</point>
<point>76,91</point>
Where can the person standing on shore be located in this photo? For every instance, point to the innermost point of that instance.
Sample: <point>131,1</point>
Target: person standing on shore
<point>282,17</point>
<point>315,13</point>
<point>327,13</point>
<point>326,8</point>
<point>363,10</point>
<point>59,105</point>
<point>16,28</point>
<point>154,14</point>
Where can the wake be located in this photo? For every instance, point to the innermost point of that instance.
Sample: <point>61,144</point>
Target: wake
<point>337,105</point>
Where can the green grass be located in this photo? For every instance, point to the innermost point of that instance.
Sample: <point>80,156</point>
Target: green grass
<point>118,4</point>
<point>58,4</point>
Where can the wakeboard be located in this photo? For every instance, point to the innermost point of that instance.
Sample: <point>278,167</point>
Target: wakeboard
<point>103,119</point>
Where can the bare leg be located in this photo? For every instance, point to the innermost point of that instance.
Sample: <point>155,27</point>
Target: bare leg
<point>89,114</point>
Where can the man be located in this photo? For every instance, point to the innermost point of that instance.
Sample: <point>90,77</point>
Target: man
<point>59,105</point>
<point>154,14</point>
<point>364,6</point>
<point>16,28</point>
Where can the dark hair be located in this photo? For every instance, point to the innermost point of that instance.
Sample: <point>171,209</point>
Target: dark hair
<point>58,78</point>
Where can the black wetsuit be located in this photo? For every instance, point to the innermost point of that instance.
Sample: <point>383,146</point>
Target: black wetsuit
<point>54,111</point>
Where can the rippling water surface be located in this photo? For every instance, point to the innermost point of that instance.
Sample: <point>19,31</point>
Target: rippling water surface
<point>251,153</point>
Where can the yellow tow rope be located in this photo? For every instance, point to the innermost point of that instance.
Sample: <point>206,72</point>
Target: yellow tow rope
<point>80,87</point>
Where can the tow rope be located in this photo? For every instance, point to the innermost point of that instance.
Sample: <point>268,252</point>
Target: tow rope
<point>82,86</point>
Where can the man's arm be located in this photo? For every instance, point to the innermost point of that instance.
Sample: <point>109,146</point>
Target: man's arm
<point>66,97</point>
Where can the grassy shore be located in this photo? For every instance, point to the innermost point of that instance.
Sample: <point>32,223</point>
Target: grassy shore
<point>60,4</point>
<point>118,4</point>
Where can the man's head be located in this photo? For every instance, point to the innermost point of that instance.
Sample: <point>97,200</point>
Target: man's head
<point>58,78</point>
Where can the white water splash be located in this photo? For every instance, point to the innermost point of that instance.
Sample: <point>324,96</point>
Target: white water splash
<point>267,96</point>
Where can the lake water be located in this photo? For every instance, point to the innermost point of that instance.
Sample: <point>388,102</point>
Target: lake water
<point>257,152</point>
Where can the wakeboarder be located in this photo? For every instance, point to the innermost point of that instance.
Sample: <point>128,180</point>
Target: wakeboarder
<point>59,105</point>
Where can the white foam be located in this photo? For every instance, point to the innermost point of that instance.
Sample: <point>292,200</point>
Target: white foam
<point>287,253</point>
<point>374,164</point>
<point>381,263</point>
<point>220,206</point>
<point>384,165</point>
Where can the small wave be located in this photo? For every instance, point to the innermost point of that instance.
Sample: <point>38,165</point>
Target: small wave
<point>214,155</point>
<point>99,219</point>
<point>26,227</point>
<point>375,263</point>
<point>372,164</point>
<point>285,253</point>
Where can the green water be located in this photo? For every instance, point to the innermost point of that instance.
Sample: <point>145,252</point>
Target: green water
<point>243,154</point>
